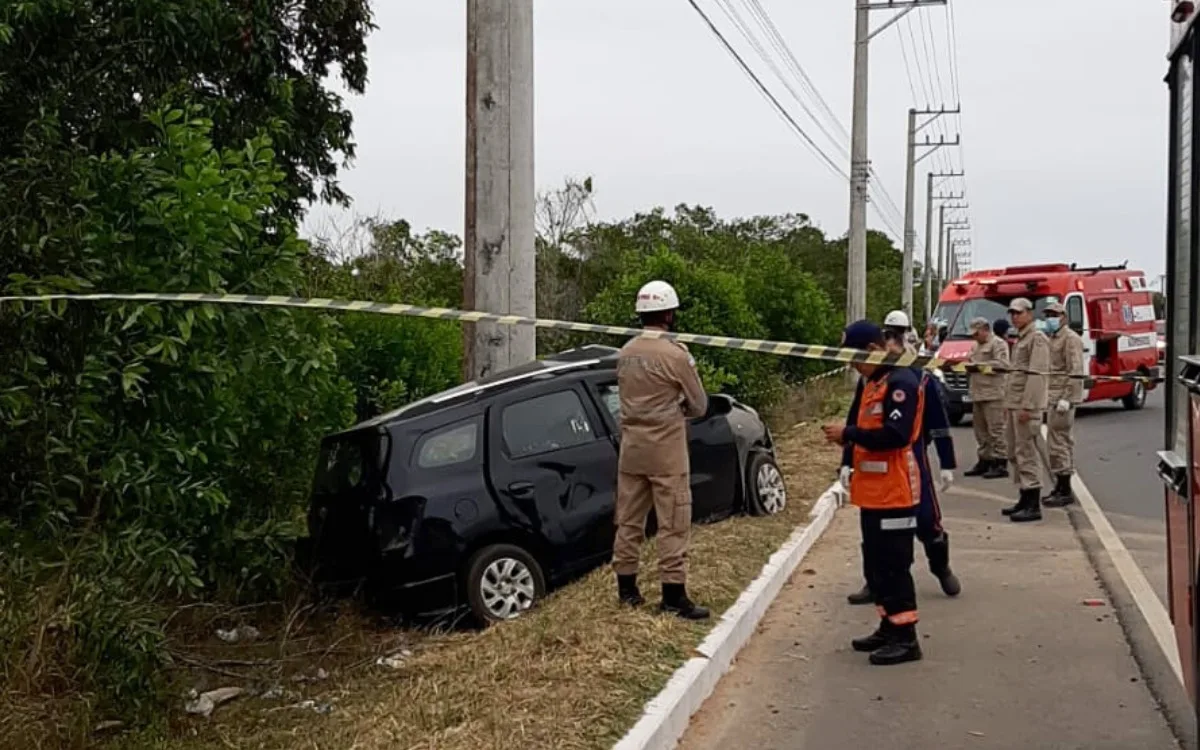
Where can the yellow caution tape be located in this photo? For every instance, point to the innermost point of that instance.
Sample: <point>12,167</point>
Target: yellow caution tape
<point>781,348</point>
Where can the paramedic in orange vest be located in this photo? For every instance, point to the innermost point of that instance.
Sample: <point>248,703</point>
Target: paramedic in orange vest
<point>885,485</point>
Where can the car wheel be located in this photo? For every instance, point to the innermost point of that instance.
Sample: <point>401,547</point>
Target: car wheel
<point>767,490</point>
<point>1136,398</point>
<point>503,581</point>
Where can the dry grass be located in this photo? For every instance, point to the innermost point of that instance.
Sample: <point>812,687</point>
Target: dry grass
<point>573,673</point>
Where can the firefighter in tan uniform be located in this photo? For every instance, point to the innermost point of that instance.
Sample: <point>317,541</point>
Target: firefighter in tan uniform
<point>1064,394</point>
<point>1025,401</point>
<point>987,402</point>
<point>659,391</point>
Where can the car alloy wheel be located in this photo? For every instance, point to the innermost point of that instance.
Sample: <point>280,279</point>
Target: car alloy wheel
<point>507,588</point>
<point>1137,398</point>
<point>772,493</point>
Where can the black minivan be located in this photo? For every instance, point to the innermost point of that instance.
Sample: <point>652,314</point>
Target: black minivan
<point>489,493</point>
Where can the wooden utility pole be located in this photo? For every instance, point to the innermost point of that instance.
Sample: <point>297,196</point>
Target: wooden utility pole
<point>498,242</point>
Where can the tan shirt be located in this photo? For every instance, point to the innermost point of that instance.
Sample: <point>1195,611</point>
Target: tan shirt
<point>1031,352</point>
<point>1066,358</point>
<point>659,391</point>
<point>994,352</point>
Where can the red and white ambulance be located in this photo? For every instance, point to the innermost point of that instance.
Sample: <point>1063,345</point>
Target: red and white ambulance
<point>1109,306</point>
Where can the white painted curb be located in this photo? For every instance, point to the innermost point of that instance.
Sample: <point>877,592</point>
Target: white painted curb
<point>666,716</point>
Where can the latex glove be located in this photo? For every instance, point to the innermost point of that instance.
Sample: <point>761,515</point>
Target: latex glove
<point>844,477</point>
<point>1063,406</point>
<point>947,479</point>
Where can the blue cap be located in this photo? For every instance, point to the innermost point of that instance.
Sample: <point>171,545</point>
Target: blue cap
<point>1000,327</point>
<point>860,334</point>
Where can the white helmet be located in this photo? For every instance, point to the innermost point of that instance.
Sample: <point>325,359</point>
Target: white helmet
<point>896,319</point>
<point>656,296</point>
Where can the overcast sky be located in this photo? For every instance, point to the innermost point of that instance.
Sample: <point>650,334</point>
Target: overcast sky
<point>1063,124</point>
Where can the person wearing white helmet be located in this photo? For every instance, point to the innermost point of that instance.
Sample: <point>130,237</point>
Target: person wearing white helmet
<point>659,390</point>
<point>897,324</point>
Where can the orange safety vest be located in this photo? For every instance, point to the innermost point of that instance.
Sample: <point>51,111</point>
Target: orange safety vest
<point>885,480</point>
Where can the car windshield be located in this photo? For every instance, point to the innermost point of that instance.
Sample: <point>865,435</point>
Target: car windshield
<point>954,318</point>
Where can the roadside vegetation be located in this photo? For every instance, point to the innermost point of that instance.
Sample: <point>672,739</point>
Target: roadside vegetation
<point>156,458</point>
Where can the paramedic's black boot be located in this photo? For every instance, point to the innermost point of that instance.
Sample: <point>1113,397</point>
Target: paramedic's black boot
<point>998,469</point>
<point>1031,499</point>
<point>627,591</point>
<point>874,641</point>
<point>675,601</point>
<point>902,646</point>
<point>979,469</point>
<point>862,596</point>
<point>938,553</point>
<point>1062,495</point>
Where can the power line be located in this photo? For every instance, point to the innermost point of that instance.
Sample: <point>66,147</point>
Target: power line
<point>767,93</point>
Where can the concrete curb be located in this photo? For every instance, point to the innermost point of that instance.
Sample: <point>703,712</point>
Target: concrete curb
<point>666,716</point>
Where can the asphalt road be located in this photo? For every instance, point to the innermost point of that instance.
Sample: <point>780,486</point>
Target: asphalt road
<point>1115,456</point>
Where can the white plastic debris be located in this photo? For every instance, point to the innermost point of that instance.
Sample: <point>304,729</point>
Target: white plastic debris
<point>240,633</point>
<point>205,703</point>
<point>322,674</point>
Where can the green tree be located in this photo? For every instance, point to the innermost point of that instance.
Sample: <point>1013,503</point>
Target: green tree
<point>85,74</point>
<point>142,444</point>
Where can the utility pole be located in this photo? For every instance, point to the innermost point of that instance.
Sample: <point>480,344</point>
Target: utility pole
<point>956,264</point>
<point>498,248</point>
<point>930,199</point>
<point>910,233</point>
<point>958,225</point>
<point>860,165</point>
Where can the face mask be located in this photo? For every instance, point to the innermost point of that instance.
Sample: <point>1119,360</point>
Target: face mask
<point>1052,325</point>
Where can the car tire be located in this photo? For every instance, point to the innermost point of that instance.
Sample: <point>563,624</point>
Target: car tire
<point>765,486</point>
<point>503,581</point>
<point>1136,398</point>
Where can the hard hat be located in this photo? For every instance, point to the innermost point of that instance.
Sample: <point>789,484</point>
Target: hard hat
<point>896,319</point>
<point>656,296</point>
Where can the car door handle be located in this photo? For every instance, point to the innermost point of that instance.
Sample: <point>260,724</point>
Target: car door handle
<point>521,490</point>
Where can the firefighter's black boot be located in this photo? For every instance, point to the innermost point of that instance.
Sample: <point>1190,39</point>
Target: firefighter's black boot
<point>874,641</point>
<point>998,469</point>
<point>980,468</point>
<point>675,601</point>
<point>1012,509</point>
<point>901,646</point>
<point>1031,500</point>
<point>938,553</point>
<point>1062,495</point>
<point>863,595</point>
<point>627,591</point>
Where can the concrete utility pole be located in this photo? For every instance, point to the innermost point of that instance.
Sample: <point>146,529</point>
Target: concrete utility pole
<point>958,225</point>
<point>930,200</point>
<point>910,233</point>
<point>956,264</point>
<point>498,249</point>
<point>860,165</point>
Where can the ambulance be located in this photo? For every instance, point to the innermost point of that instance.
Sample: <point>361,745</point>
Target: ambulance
<point>1109,306</point>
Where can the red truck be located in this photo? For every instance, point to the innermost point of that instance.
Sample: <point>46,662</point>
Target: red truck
<point>1109,306</point>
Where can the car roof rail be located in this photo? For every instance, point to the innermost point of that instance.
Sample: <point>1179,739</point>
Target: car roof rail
<point>477,388</point>
<point>587,351</point>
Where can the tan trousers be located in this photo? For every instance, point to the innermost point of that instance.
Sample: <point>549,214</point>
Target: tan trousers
<point>1060,441</point>
<point>671,498</point>
<point>1022,449</point>
<point>988,420</point>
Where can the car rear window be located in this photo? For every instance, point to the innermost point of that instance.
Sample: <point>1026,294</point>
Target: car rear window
<point>546,423</point>
<point>448,446</point>
<point>344,465</point>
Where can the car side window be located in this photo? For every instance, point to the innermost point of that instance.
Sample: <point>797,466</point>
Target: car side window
<point>1075,314</point>
<point>545,423</point>
<point>611,398</point>
<point>448,446</point>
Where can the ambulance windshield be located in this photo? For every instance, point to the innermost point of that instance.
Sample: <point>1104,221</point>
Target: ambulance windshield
<point>954,318</point>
